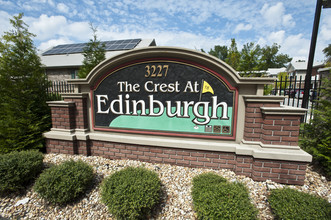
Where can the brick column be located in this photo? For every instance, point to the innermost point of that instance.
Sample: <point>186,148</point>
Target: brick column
<point>62,114</point>
<point>80,110</point>
<point>281,125</point>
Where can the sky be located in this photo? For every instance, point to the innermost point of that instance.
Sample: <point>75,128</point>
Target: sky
<point>193,24</point>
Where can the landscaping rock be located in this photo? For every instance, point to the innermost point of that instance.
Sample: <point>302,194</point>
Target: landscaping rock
<point>176,202</point>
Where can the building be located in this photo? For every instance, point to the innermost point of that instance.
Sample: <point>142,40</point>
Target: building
<point>298,70</point>
<point>63,61</point>
<point>273,72</point>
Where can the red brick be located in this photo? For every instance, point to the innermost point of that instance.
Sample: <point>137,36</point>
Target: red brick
<point>183,153</point>
<point>281,133</point>
<point>246,165</point>
<point>227,166</point>
<point>132,156</point>
<point>212,155</point>
<point>170,161</point>
<point>270,175</point>
<point>296,182</point>
<point>196,163</point>
<point>290,166</point>
<point>270,138</point>
<point>285,176</point>
<point>228,157</point>
<point>182,162</point>
<point>297,172</point>
<point>156,150</point>
<point>176,157</point>
<point>163,155</point>
<point>268,122</point>
<point>219,161</point>
<point>156,159</point>
<point>290,128</point>
<point>294,139</point>
<point>273,128</point>
<point>262,169</point>
<point>231,162</point>
<point>203,159</point>
<point>173,152</point>
<point>272,165</point>
<point>278,122</point>
<point>150,154</point>
<point>257,174</point>
<point>131,148</point>
<point>252,135</point>
<point>212,165</point>
<point>276,170</point>
<point>138,152</point>
<point>190,158</point>
<point>197,154</point>
<point>254,105</point>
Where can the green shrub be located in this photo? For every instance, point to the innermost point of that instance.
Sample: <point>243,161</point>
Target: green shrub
<point>218,199</point>
<point>131,193</point>
<point>17,169</point>
<point>291,204</point>
<point>317,134</point>
<point>65,182</point>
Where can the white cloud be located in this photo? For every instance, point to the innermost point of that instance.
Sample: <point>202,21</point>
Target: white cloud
<point>276,37</point>
<point>4,22</point>
<point>53,42</point>
<point>275,16</point>
<point>63,8</point>
<point>242,27</point>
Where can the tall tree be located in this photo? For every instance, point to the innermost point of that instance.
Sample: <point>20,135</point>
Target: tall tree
<point>221,52</point>
<point>250,57</point>
<point>271,59</point>
<point>94,53</point>
<point>327,53</point>
<point>24,114</point>
<point>233,58</point>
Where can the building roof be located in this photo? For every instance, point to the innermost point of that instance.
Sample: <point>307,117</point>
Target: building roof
<point>71,55</point>
<point>274,71</point>
<point>302,65</point>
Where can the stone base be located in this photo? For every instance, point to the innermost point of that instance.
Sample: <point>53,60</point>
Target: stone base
<point>243,159</point>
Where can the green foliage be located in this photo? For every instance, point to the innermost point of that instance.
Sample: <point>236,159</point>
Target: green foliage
<point>253,60</point>
<point>17,169</point>
<point>94,53</point>
<point>131,193</point>
<point>65,182</point>
<point>291,204</point>
<point>215,198</point>
<point>24,114</point>
<point>317,135</point>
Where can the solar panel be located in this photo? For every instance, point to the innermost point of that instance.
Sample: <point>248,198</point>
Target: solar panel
<point>79,48</point>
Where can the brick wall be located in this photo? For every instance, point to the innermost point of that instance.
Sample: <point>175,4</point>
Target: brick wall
<point>79,111</point>
<point>288,172</point>
<point>270,129</point>
<point>62,116</point>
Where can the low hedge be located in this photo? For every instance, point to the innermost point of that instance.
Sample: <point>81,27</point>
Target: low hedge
<point>288,203</point>
<point>131,193</point>
<point>215,198</point>
<point>64,183</point>
<point>18,169</point>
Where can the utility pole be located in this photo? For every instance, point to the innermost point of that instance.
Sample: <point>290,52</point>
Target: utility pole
<point>326,4</point>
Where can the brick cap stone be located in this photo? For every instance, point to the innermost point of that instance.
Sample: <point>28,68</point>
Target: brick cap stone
<point>263,98</point>
<point>253,150</point>
<point>60,104</point>
<point>74,95</point>
<point>283,110</point>
<point>271,145</point>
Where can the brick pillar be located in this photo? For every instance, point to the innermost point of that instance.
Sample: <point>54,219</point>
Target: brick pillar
<point>62,115</point>
<point>281,125</point>
<point>80,110</point>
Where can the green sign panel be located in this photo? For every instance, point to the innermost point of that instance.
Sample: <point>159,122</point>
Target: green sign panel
<point>165,97</point>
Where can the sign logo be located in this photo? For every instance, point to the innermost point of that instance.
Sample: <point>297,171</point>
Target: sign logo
<point>165,97</point>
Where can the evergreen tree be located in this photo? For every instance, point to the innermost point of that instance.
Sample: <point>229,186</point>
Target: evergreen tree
<point>24,114</point>
<point>233,58</point>
<point>249,59</point>
<point>94,53</point>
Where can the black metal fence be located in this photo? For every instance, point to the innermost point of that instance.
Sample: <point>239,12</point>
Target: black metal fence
<point>56,88</point>
<point>293,89</point>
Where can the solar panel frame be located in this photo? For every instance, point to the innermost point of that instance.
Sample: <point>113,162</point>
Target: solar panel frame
<point>127,44</point>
